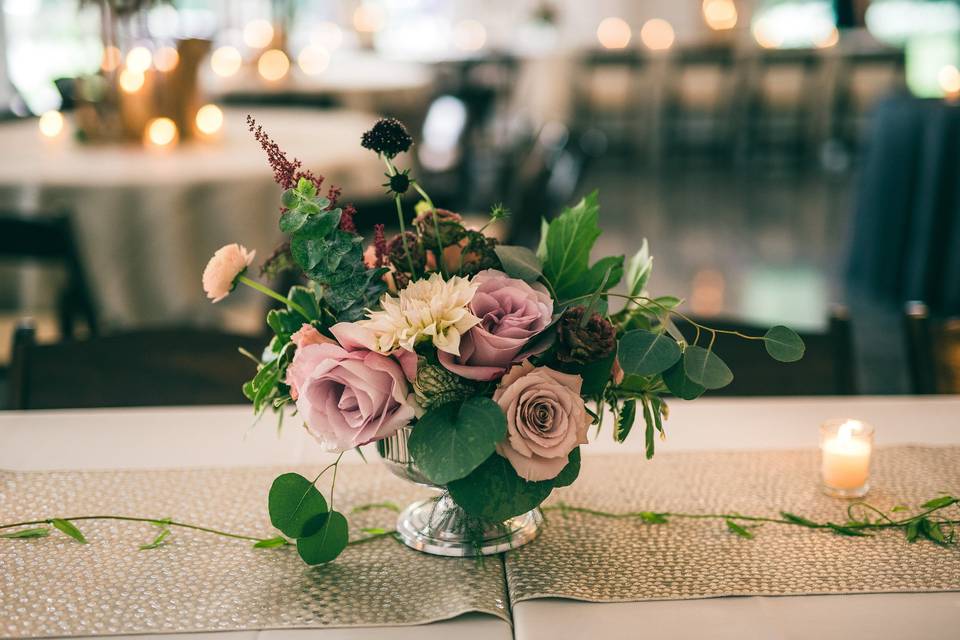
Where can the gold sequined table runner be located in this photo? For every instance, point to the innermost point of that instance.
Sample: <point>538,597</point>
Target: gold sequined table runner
<point>198,582</point>
<point>585,557</point>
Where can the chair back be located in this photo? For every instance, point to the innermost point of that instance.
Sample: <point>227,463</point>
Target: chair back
<point>160,367</point>
<point>933,351</point>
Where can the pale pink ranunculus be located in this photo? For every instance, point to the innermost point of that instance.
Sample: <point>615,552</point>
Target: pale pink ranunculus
<point>349,397</point>
<point>511,313</point>
<point>220,275</point>
<point>546,419</point>
<point>307,334</point>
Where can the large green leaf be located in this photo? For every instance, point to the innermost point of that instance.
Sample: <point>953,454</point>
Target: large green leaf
<point>638,270</point>
<point>308,245</point>
<point>565,248</point>
<point>452,440</point>
<point>327,542</point>
<point>706,368</point>
<point>645,353</point>
<point>568,475</point>
<point>304,297</point>
<point>519,262</point>
<point>624,420</point>
<point>783,344</point>
<point>493,491</point>
<point>680,384</point>
<point>70,529</point>
<point>295,505</point>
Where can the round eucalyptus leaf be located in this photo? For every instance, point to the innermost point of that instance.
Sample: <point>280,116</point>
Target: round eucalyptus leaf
<point>452,440</point>
<point>680,384</point>
<point>706,368</point>
<point>295,506</point>
<point>519,262</point>
<point>783,344</point>
<point>493,491</point>
<point>327,543</point>
<point>645,353</point>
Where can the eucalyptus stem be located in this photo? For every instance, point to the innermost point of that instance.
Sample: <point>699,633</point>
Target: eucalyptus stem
<point>253,284</point>
<point>156,521</point>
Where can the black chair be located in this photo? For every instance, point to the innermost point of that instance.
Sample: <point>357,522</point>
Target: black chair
<point>50,239</point>
<point>608,95</point>
<point>141,368</point>
<point>827,367</point>
<point>933,351</point>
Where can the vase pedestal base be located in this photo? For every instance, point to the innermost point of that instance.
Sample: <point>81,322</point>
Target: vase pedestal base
<point>439,527</point>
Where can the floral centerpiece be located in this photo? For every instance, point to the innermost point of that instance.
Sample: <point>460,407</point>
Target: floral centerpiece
<point>478,368</point>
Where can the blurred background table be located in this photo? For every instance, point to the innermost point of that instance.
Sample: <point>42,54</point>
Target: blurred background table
<point>147,221</point>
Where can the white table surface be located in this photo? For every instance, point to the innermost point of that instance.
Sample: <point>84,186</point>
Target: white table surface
<point>151,438</point>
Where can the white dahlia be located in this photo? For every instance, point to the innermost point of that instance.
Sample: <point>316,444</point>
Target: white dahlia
<point>431,309</point>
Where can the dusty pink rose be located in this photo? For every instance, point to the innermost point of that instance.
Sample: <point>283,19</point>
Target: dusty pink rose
<point>307,334</point>
<point>220,275</point>
<point>546,419</point>
<point>511,312</point>
<point>348,395</point>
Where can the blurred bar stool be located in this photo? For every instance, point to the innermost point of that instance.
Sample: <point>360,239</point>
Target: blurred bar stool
<point>827,367</point>
<point>162,367</point>
<point>933,349</point>
<point>863,79</point>
<point>609,96</point>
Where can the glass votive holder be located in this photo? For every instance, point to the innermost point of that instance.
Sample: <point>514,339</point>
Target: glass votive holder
<point>845,449</point>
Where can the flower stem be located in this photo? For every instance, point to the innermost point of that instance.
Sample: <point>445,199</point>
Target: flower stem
<point>156,521</point>
<point>267,291</point>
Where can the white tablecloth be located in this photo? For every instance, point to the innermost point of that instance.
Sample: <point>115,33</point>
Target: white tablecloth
<point>148,221</point>
<point>150,438</point>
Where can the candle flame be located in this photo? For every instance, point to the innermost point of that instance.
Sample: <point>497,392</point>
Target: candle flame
<point>848,429</point>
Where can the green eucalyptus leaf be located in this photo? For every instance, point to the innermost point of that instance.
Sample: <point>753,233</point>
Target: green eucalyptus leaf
<point>706,368</point>
<point>270,543</point>
<point>36,532</point>
<point>296,507</point>
<point>68,528</point>
<point>651,517</point>
<point>493,491</point>
<point>308,245</point>
<point>680,384</point>
<point>569,473</point>
<point>292,220</point>
<point>519,262</point>
<point>740,530</point>
<point>783,344</point>
<point>646,353</point>
<point>327,542</point>
<point>290,198</point>
<point>452,440</point>
<point>624,420</point>
<point>799,520</point>
<point>158,541</point>
<point>939,503</point>
<point>649,443</point>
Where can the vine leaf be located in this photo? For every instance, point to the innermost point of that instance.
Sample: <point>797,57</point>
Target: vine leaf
<point>270,543</point>
<point>783,344</point>
<point>158,541</point>
<point>740,530</point>
<point>68,528</point>
<point>706,368</point>
<point>36,532</point>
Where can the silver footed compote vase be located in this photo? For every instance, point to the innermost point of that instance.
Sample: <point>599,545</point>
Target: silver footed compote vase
<point>439,526</point>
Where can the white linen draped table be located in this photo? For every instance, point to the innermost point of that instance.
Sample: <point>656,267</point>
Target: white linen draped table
<point>147,221</point>
<point>208,436</point>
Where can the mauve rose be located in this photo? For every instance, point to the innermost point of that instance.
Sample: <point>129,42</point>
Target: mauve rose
<point>307,334</point>
<point>348,395</point>
<point>511,312</point>
<point>546,419</point>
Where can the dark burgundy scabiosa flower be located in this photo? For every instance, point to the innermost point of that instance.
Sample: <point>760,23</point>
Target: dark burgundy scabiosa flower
<point>397,249</point>
<point>583,343</point>
<point>388,136</point>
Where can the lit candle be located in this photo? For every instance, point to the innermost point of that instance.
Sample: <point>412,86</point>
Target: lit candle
<point>845,448</point>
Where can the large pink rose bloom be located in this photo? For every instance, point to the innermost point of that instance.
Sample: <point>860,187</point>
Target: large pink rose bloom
<point>511,312</point>
<point>348,395</point>
<point>546,419</point>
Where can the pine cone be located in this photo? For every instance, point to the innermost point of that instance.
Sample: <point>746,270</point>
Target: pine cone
<point>397,253</point>
<point>435,386</point>
<point>479,254</point>
<point>588,343</point>
<point>450,225</point>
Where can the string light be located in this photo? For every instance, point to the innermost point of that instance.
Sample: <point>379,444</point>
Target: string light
<point>161,132</point>
<point>225,61</point>
<point>273,64</point>
<point>258,34</point>
<point>209,119</point>
<point>614,33</point>
<point>51,124</point>
<point>720,15</point>
<point>131,81</point>
<point>657,34</point>
<point>166,59</point>
<point>139,59</point>
<point>313,59</point>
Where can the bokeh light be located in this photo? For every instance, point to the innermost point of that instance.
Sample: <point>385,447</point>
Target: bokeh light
<point>131,81</point>
<point>161,132</point>
<point>258,34</point>
<point>209,119</point>
<point>139,59</point>
<point>51,124</point>
<point>949,79</point>
<point>226,61</point>
<point>328,35</point>
<point>313,59</point>
<point>273,64</point>
<point>368,18</point>
<point>829,40</point>
<point>111,58</point>
<point>720,15</point>
<point>614,33</point>
<point>657,34</point>
<point>469,35</point>
<point>166,59</point>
